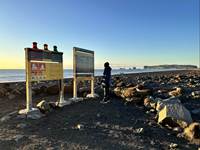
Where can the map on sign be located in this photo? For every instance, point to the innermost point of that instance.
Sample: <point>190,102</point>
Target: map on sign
<point>44,65</point>
<point>84,62</point>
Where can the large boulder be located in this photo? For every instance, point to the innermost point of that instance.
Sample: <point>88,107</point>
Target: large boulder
<point>173,113</point>
<point>120,84</point>
<point>83,91</point>
<point>161,93</point>
<point>150,102</point>
<point>163,102</point>
<point>151,85</point>
<point>44,106</point>
<point>128,92</point>
<point>143,92</point>
<point>192,132</point>
<point>131,94</point>
<point>177,92</point>
<point>117,91</point>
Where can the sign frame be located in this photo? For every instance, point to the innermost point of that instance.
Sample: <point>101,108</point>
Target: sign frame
<point>49,58</point>
<point>84,76</point>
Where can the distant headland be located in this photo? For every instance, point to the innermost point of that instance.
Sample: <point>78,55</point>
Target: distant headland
<point>174,66</point>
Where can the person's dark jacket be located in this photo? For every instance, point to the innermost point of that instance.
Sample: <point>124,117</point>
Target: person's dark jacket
<point>107,75</point>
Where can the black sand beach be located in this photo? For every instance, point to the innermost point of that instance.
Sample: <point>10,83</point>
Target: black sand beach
<point>91,125</point>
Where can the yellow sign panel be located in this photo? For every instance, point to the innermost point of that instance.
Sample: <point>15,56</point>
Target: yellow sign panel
<point>45,71</point>
<point>43,65</point>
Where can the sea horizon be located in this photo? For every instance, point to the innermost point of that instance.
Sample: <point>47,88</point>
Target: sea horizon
<point>18,75</point>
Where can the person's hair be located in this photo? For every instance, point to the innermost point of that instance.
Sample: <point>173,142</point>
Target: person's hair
<point>106,64</point>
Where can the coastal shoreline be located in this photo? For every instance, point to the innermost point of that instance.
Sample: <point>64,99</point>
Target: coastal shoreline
<point>132,73</point>
<point>68,73</point>
<point>128,126</point>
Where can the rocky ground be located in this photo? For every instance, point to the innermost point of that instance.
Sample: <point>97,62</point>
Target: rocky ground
<point>124,123</point>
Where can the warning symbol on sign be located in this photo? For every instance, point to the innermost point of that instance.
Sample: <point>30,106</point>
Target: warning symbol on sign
<point>38,71</point>
<point>38,67</point>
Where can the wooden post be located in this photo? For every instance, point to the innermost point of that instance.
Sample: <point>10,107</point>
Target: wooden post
<point>92,86</point>
<point>28,84</point>
<point>75,88</point>
<point>74,75</point>
<point>62,87</point>
<point>92,80</point>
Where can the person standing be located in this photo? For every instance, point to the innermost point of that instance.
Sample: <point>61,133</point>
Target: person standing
<point>106,82</point>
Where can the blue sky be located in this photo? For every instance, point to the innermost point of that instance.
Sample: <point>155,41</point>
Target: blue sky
<point>124,32</point>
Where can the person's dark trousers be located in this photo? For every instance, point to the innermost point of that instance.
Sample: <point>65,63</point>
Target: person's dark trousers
<point>107,92</point>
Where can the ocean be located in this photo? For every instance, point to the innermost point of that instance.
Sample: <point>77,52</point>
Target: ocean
<point>17,75</point>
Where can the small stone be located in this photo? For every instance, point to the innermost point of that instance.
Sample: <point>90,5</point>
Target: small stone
<point>177,129</point>
<point>152,110</point>
<point>98,115</point>
<point>150,123</point>
<point>5,118</point>
<point>116,136</point>
<point>36,114</point>
<point>140,130</point>
<point>196,94</point>
<point>21,116</point>
<point>53,105</point>
<point>13,113</point>
<point>106,125</point>
<point>173,145</point>
<point>196,111</point>
<point>18,137</point>
<point>180,135</point>
<point>11,96</point>
<point>98,123</point>
<point>79,126</point>
<point>111,132</point>
<point>152,143</point>
<point>95,95</point>
<point>117,127</point>
<point>147,112</point>
<point>3,91</point>
<point>33,146</point>
<point>21,125</point>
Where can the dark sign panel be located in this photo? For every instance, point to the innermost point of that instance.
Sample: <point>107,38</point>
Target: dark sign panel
<point>44,55</point>
<point>84,62</point>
